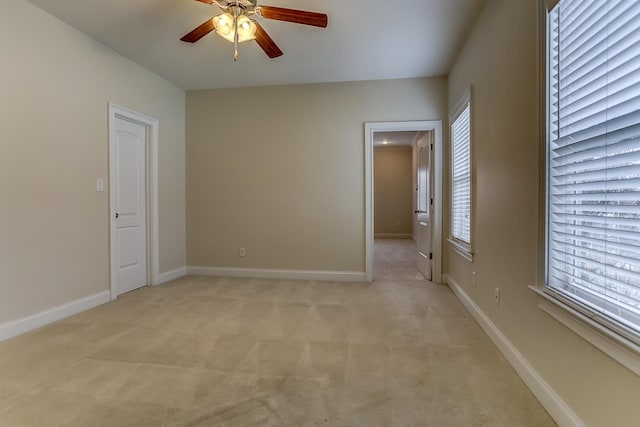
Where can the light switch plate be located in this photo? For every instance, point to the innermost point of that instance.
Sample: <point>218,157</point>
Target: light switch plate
<point>100,185</point>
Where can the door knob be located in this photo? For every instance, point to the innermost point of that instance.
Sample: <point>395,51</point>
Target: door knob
<point>117,215</point>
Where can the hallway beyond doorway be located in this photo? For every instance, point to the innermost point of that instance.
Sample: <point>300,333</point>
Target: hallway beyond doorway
<point>395,259</point>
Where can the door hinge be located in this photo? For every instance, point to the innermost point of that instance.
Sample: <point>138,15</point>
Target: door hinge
<point>431,201</point>
<point>430,255</point>
<point>431,147</point>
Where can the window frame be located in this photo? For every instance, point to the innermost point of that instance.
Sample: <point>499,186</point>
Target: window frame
<point>596,329</point>
<point>464,249</point>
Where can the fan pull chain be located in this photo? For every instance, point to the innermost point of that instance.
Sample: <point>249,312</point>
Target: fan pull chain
<point>235,52</point>
<point>235,37</point>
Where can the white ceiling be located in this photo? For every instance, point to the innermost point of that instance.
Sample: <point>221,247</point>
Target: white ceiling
<point>396,138</point>
<point>365,39</point>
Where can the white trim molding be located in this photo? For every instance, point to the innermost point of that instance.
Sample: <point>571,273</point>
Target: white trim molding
<point>622,350</point>
<point>255,273</point>
<point>35,321</point>
<point>153,252</point>
<point>168,276</point>
<point>436,245</point>
<point>463,250</point>
<point>557,408</point>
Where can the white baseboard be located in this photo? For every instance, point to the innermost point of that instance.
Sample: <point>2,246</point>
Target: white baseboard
<point>392,236</point>
<point>335,276</point>
<point>170,275</point>
<point>557,408</point>
<point>29,323</point>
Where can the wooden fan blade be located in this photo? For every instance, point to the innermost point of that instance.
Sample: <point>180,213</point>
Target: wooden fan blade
<point>292,15</point>
<point>205,1</point>
<point>199,32</point>
<point>266,43</point>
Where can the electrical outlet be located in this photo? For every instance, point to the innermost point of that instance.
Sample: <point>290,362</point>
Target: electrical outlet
<point>496,296</point>
<point>473,278</point>
<point>242,252</point>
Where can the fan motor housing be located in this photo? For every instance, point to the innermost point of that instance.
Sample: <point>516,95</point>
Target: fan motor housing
<point>246,5</point>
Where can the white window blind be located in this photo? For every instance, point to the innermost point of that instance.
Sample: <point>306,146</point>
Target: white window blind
<point>593,160</point>
<point>461,176</point>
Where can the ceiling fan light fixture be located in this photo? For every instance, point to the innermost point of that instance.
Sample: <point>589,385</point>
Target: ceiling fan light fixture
<point>236,24</point>
<point>225,27</point>
<point>246,29</point>
<point>224,24</point>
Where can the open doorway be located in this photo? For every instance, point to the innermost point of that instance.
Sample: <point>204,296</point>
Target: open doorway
<point>403,200</point>
<point>396,197</point>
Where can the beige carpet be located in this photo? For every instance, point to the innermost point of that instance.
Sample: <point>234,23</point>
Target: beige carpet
<point>234,352</point>
<point>395,259</point>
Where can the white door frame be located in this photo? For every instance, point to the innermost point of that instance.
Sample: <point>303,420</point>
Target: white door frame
<point>151,157</point>
<point>436,236</point>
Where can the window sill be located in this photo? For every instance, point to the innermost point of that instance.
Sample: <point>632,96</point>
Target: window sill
<point>461,249</point>
<point>622,350</point>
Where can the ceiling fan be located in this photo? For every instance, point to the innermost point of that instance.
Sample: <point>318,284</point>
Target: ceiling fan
<point>237,23</point>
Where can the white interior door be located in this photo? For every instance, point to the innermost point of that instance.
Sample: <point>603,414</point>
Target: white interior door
<point>424,208</point>
<point>129,209</point>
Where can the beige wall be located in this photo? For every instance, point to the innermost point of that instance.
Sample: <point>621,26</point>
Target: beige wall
<point>393,186</point>
<point>279,170</point>
<point>55,84</point>
<point>499,62</point>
